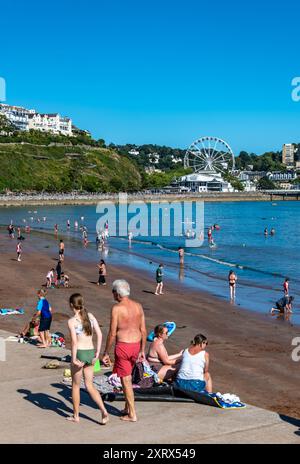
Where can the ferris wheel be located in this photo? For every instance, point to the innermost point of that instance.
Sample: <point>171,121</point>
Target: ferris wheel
<point>209,154</point>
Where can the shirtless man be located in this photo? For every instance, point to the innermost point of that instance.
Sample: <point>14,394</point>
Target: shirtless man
<point>127,327</point>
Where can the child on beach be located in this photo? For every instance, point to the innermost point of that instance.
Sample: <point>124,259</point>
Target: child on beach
<point>64,280</point>
<point>81,327</point>
<point>44,312</point>
<point>50,278</point>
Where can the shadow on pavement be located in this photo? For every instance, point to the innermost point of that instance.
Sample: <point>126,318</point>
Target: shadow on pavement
<point>292,421</point>
<point>65,392</point>
<point>50,403</point>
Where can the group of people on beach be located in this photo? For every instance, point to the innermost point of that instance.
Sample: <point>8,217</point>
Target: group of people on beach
<point>188,368</point>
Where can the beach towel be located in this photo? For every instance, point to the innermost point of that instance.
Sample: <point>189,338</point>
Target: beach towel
<point>10,311</point>
<point>227,401</point>
<point>101,383</point>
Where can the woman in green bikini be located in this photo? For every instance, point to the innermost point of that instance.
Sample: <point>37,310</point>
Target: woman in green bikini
<point>81,326</point>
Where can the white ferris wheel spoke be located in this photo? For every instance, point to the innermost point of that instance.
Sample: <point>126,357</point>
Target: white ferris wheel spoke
<point>200,155</point>
<point>204,147</point>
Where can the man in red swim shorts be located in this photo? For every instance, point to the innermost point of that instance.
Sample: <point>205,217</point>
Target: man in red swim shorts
<point>127,327</point>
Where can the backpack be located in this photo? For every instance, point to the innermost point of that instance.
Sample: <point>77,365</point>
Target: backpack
<point>140,377</point>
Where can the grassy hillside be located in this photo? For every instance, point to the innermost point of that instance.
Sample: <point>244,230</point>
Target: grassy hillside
<point>27,167</point>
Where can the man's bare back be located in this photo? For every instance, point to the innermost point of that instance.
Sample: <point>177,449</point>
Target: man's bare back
<point>129,315</point>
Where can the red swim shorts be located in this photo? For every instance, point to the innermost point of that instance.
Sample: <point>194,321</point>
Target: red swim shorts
<point>126,355</point>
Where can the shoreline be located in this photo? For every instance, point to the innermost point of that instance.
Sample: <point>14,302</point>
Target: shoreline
<point>92,199</point>
<point>250,356</point>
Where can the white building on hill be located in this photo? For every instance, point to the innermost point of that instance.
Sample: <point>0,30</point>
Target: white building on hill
<point>25,119</point>
<point>53,123</point>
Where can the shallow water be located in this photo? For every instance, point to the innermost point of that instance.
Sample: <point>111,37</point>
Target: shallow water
<point>260,262</point>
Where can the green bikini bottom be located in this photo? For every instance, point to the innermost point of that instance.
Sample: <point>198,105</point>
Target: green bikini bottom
<point>85,356</point>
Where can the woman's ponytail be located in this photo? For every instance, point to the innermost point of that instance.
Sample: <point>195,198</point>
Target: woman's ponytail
<point>76,300</point>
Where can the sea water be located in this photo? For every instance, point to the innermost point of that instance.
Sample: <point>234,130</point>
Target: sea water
<point>260,262</point>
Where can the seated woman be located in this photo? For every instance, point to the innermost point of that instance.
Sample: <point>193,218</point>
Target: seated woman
<point>193,373</point>
<point>164,365</point>
<point>30,329</point>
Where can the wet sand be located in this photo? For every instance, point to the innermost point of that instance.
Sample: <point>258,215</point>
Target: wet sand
<point>250,353</point>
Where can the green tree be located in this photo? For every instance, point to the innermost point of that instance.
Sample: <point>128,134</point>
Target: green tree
<point>265,184</point>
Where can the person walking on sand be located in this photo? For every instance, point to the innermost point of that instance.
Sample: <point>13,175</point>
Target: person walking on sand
<point>232,278</point>
<point>181,256</point>
<point>82,326</point>
<point>19,251</point>
<point>128,329</point>
<point>159,280</point>
<point>102,273</point>
<point>61,250</point>
<point>44,313</point>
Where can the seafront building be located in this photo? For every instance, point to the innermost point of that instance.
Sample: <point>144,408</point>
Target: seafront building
<point>25,119</point>
<point>204,181</point>
<point>288,154</point>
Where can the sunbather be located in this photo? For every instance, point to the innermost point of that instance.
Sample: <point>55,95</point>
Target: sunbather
<point>30,329</point>
<point>193,373</point>
<point>164,365</point>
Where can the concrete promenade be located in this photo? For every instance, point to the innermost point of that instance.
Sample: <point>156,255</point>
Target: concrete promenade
<point>34,404</point>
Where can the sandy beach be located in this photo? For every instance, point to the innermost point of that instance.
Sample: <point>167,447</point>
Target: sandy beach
<point>250,353</point>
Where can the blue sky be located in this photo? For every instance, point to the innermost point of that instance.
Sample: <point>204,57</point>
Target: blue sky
<point>164,72</point>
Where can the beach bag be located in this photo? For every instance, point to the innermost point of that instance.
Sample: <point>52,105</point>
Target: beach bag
<point>140,377</point>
